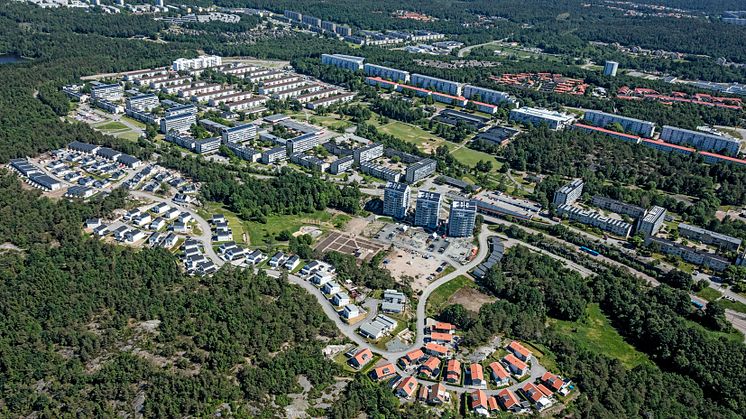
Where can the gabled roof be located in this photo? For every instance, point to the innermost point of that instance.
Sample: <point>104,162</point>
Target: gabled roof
<point>434,347</point>
<point>453,366</point>
<point>514,361</point>
<point>532,392</point>
<point>407,385</point>
<point>507,398</point>
<point>363,356</point>
<point>384,370</point>
<point>552,380</point>
<point>516,347</point>
<point>478,399</point>
<point>414,354</point>
<point>444,326</point>
<point>499,371</point>
<point>441,337</point>
<point>431,363</point>
<point>476,371</point>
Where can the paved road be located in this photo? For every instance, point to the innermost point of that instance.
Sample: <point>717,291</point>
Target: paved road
<point>206,235</point>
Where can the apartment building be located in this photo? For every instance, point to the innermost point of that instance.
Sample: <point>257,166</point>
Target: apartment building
<point>239,133</point>
<point>630,125</point>
<point>569,193</point>
<point>427,209</point>
<point>381,172</point>
<point>201,62</point>
<point>369,152</point>
<point>536,116</point>
<point>462,218</point>
<point>396,199</point>
<point>143,103</point>
<point>701,140</point>
<point>348,62</point>
<point>722,241</point>
<point>386,73</point>
<point>179,122</point>
<point>652,221</point>
<point>420,170</point>
<point>594,219</point>
<point>434,83</point>
<point>111,92</point>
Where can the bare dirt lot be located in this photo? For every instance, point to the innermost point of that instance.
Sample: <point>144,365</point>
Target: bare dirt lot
<point>402,264</point>
<point>356,226</point>
<point>348,244</point>
<point>470,298</point>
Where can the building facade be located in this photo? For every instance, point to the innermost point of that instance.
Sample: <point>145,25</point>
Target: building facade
<point>569,193</point>
<point>348,62</point>
<point>631,125</point>
<point>462,217</point>
<point>427,209</point>
<point>396,199</point>
<point>650,223</point>
<point>369,152</point>
<point>420,170</point>
<point>536,116</point>
<point>701,140</point>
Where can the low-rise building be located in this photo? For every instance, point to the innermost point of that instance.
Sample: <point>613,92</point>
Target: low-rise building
<point>594,219</point>
<point>376,328</point>
<point>420,170</point>
<point>720,240</point>
<point>361,358</point>
<point>535,116</point>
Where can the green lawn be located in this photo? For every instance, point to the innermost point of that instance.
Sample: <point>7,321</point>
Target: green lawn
<point>259,232</point>
<point>709,294</point>
<point>470,157</point>
<point>133,122</point>
<point>234,222</point>
<point>733,335</point>
<point>438,298</point>
<point>411,134</point>
<point>733,305</point>
<point>112,126</point>
<point>596,333</point>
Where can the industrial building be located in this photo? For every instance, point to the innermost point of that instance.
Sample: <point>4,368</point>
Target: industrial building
<point>396,199</point>
<point>722,241</point>
<point>701,140</point>
<point>462,218</point>
<point>420,170</point>
<point>427,209</point>
<point>652,221</point>
<point>434,83</point>
<point>594,219</point>
<point>369,152</point>
<point>387,73</point>
<point>536,116</point>
<point>630,125</point>
<point>569,193</point>
<point>348,62</point>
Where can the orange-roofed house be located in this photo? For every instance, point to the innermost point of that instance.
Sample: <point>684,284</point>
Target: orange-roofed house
<point>383,372</point>
<point>499,374</point>
<point>453,371</point>
<point>406,387</point>
<point>508,400</point>
<point>544,390</point>
<point>431,367</point>
<point>476,375</point>
<point>443,327</point>
<point>515,365</point>
<point>478,403</point>
<point>438,394</point>
<point>492,404</point>
<point>519,351</point>
<point>412,357</point>
<point>433,348</point>
<point>553,381</point>
<point>361,358</point>
<point>535,396</point>
<point>441,337</point>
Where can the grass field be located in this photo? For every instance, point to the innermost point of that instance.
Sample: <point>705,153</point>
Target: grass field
<point>112,126</point>
<point>234,222</point>
<point>438,298</point>
<point>596,333</point>
<point>733,335</point>
<point>709,294</point>
<point>134,122</point>
<point>258,232</point>
<point>412,134</point>
<point>733,305</point>
<point>470,157</point>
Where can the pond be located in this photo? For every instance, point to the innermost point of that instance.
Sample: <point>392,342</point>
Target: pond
<point>10,59</point>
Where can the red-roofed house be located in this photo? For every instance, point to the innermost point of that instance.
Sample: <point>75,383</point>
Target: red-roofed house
<point>535,396</point>
<point>441,337</point>
<point>412,357</point>
<point>520,351</point>
<point>516,366</point>
<point>508,400</point>
<point>478,403</point>
<point>544,390</point>
<point>499,374</point>
<point>476,375</point>
<point>453,371</point>
<point>406,387</point>
<point>431,367</point>
<point>443,327</point>
<point>383,372</point>
<point>361,358</point>
<point>433,348</point>
<point>423,393</point>
<point>553,381</point>
<point>438,394</point>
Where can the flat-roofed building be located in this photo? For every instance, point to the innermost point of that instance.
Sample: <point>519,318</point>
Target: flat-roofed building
<point>201,62</point>
<point>688,254</point>
<point>483,94</point>
<point>386,73</point>
<point>144,102</point>
<point>303,143</point>
<point>427,209</point>
<point>536,116</point>
<point>630,125</point>
<point>396,199</point>
<point>569,193</point>
<point>348,62</point>
<point>181,109</point>
<point>246,153</point>
<point>369,152</point>
<point>180,123</point>
<point>701,140</point>
<point>420,170</point>
<point>274,155</point>
<point>652,221</point>
<point>239,133</point>
<point>434,83</point>
<point>207,145</point>
<point>618,207</point>
<point>722,241</point>
<point>111,92</point>
<point>594,219</point>
<point>381,172</point>
<point>462,218</point>
<point>341,165</point>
